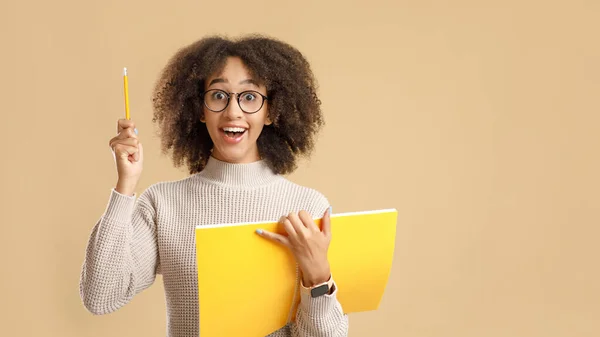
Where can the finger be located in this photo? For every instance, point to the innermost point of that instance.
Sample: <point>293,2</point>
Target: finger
<point>326,223</point>
<point>308,221</point>
<point>278,238</point>
<point>297,224</point>
<point>123,135</point>
<point>140,153</point>
<point>136,156</point>
<point>282,220</point>
<point>289,229</point>
<point>124,151</point>
<point>127,141</point>
<point>124,123</point>
<point>126,133</point>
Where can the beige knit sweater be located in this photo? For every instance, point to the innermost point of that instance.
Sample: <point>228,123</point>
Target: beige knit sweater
<point>136,239</point>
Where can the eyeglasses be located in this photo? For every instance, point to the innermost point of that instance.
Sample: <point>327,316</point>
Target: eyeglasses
<point>250,101</point>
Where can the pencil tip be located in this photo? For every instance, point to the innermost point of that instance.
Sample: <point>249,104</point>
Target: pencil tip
<point>125,71</point>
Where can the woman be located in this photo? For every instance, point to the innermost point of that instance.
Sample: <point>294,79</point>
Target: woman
<point>238,113</point>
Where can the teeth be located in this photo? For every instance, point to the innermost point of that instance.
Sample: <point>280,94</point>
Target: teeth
<point>234,129</point>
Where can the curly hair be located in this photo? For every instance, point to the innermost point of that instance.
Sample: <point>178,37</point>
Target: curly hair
<point>294,107</point>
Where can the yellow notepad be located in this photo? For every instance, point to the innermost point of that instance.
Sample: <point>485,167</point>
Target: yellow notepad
<point>247,284</point>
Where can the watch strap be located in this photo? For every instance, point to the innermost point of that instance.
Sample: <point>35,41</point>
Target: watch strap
<point>319,289</point>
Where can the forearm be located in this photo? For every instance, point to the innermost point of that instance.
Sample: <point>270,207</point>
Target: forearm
<point>320,317</point>
<point>110,276</point>
<point>106,276</point>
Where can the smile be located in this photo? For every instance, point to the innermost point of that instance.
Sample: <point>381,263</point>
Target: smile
<point>233,134</point>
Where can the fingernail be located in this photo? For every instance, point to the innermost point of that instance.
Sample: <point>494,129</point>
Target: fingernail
<point>259,231</point>
<point>330,210</point>
<point>135,130</point>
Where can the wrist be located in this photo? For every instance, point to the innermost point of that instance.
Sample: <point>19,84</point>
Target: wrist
<point>311,278</point>
<point>125,187</point>
<point>320,288</point>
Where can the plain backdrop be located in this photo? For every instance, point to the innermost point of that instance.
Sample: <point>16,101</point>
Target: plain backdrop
<point>477,120</point>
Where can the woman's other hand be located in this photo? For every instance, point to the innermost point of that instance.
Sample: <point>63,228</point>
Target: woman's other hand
<point>308,243</point>
<point>129,155</point>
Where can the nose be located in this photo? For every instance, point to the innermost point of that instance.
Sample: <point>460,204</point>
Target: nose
<point>233,110</point>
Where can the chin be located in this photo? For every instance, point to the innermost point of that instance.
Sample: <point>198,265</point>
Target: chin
<point>236,156</point>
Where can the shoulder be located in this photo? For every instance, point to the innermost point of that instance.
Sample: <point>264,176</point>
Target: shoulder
<point>165,190</point>
<point>308,198</point>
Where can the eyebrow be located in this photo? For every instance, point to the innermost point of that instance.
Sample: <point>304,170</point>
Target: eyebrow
<point>221,80</point>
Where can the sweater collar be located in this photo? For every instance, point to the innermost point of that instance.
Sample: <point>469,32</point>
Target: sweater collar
<point>240,175</point>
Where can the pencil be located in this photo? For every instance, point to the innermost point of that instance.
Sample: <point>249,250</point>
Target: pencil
<point>126,89</point>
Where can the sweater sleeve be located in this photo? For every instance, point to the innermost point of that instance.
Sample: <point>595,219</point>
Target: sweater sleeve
<point>320,317</point>
<point>121,258</point>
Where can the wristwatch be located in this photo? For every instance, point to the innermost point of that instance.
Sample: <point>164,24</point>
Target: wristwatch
<point>320,289</point>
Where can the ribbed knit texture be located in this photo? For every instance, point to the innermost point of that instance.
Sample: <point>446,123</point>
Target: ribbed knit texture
<point>137,238</point>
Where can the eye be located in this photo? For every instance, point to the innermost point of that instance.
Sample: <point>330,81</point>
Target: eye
<point>248,96</point>
<point>219,95</point>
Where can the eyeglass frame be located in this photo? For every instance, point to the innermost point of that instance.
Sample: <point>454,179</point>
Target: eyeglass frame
<point>237,94</point>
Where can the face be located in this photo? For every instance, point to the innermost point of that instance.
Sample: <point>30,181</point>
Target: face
<point>233,131</point>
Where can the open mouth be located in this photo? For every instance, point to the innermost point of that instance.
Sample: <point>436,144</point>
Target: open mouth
<point>234,132</point>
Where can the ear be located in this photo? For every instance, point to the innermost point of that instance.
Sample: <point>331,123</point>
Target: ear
<point>202,119</point>
<point>268,120</point>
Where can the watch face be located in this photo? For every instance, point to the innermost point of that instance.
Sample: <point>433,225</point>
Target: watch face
<point>319,291</point>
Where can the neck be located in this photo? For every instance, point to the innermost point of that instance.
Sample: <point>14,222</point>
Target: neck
<point>252,174</point>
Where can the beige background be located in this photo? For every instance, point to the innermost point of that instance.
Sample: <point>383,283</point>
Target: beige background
<point>478,122</point>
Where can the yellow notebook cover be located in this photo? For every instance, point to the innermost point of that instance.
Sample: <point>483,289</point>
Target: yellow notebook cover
<point>247,285</point>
